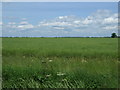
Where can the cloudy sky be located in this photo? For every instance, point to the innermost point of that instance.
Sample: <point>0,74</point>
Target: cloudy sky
<point>60,0</point>
<point>59,19</point>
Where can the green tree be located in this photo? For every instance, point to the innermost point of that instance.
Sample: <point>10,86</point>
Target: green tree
<point>113,35</point>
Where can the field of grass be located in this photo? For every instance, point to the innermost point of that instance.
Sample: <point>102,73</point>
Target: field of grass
<point>60,63</point>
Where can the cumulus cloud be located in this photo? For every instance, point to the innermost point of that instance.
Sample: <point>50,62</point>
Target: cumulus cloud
<point>77,22</point>
<point>58,28</point>
<point>23,22</point>
<point>110,20</point>
<point>110,27</point>
<point>87,21</point>
<point>54,23</point>
<point>27,26</point>
<point>24,25</point>
<point>11,23</point>
<point>99,23</point>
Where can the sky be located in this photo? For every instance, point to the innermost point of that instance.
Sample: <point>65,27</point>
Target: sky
<point>60,0</point>
<point>59,19</point>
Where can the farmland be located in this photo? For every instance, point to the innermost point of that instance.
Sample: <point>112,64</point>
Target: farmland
<point>60,62</point>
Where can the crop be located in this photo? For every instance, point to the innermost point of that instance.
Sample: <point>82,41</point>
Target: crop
<point>60,63</point>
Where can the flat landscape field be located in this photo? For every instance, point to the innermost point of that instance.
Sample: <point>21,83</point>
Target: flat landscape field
<point>60,62</point>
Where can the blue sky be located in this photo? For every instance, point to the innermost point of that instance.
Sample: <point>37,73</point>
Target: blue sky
<point>59,18</point>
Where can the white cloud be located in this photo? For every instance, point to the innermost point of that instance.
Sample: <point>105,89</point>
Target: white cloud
<point>22,25</point>
<point>25,25</point>
<point>110,27</point>
<point>58,28</point>
<point>23,22</point>
<point>77,22</point>
<point>54,23</point>
<point>96,24</point>
<point>110,20</point>
<point>28,26</point>
<point>87,21</point>
<point>62,17</point>
<point>11,23</point>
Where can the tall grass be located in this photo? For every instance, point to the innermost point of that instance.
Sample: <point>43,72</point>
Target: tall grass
<point>60,63</point>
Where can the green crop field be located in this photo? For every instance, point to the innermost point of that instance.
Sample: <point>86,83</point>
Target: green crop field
<point>60,62</point>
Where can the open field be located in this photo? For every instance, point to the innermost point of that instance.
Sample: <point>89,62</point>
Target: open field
<point>60,62</point>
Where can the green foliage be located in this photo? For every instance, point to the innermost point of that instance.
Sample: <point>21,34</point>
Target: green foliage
<point>113,35</point>
<point>60,63</point>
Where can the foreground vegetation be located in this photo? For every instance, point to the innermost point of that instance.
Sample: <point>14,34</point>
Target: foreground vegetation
<point>60,63</point>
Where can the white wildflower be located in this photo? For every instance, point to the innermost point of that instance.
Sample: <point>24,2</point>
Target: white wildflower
<point>60,74</point>
<point>48,75</point>
<point>83,61</point>
<point>50,60</point>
